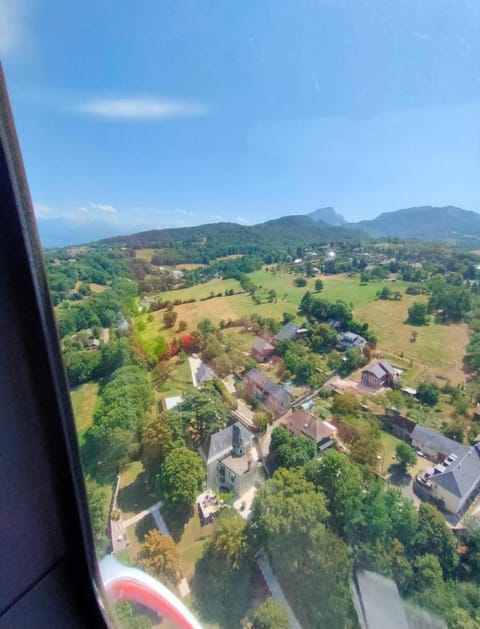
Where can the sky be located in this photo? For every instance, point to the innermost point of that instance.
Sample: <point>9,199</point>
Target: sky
<point>150,114</point>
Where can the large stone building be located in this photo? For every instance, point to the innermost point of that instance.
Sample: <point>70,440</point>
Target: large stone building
<point>455,479</point>
<point>229,460</point>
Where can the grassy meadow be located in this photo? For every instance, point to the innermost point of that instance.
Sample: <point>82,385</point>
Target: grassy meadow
<point>83,399</point>
<point>438,350</point>
<point>437,353</point>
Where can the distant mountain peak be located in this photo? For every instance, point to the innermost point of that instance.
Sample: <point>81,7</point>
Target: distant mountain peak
<point>327,215</point>
<point>448,223</point>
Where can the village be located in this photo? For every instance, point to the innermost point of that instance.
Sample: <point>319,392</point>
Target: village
<point>299,363</point>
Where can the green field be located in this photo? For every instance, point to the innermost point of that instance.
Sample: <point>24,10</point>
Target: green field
<point>83,403</point>
<point>241,305</point>
<point>438,351</point>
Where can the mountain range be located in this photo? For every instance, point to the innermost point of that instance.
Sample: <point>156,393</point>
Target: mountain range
<point>449,224</point>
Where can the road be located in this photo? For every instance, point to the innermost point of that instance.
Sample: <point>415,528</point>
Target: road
<point>275,590</point>
<point>119,535</point>
<point>139,516</point>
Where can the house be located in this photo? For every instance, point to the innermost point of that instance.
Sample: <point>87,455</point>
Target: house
<point>93,344</point>
<point>347,340</point>
<point>302,423</point>
<point>289,332</point>
<point>457,479</point>
<point>229,461</point>
<point>379,374</point>
<point>261,349</point>
<point>275,397</point>
<point>202,374</point>
<point>435,446</point>
<point>401,426</point>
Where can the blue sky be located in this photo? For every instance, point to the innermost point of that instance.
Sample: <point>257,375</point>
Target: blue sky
<point>153,113</point>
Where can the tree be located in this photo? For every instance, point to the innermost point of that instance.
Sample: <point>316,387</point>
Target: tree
<point>182,325</point>
<point>318,286</point>
<point>261,419</point>
<point>405,455</point>
<point>161,374</point>
<point>158,555</point>
<point>300,282</point>
<point>206,326</point>
<point>288,450</point>
<point>97,504</point>
<point>287,505</point>
<point>169,318</point>
<point>128,618</point>
<point>433,536</point>
<point>428,572</point>
<point>287,520</point>
<point>385,293</point>
<point>413,337</point>
<point>428,393</point>
<point>230,538</point>
<point>203,413</point>
<point>354,359</point>
<point>270,615</point>
<point>156,439</point>
<point>323,338</point>
<point>181,477</point>
<point>417,314</point>
<point>347,404</point>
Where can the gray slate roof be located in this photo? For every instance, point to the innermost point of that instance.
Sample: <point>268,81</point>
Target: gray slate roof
<point>288,331</point>
<point>441,444</point>
<point>377,370</point>
<point>386,366</point>
<point>221,441</point>
<point>266,385</point>
<point>261,345</point>
<point>381,369</point>
<point>462,475</point>
<point>203,374</point>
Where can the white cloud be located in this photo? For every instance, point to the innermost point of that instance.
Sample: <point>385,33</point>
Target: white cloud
<point>241,220</point>
<point>12,25</point>
<point>109,209</point>
<point>43,211</point>
<point>142,108</point>
<point>219,217</point>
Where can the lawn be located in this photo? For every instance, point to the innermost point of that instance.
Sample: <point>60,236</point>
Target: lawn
<point>133,495</point>
<point>192,543</point>
<point>179,381</point>
<point>200,291</point>
<point>241,305</point>
<point>438,351</point>
<point>389,443</point>
<point>83,403</point>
